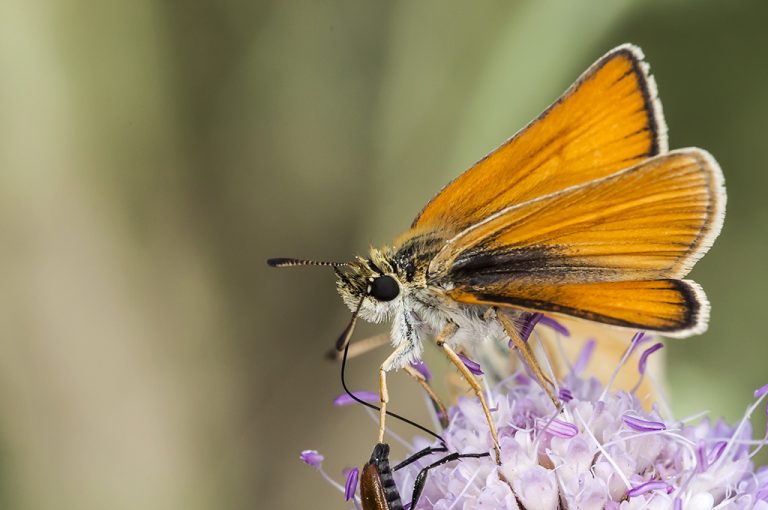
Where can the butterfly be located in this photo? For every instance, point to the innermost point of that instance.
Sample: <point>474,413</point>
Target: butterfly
<point>583,213</point>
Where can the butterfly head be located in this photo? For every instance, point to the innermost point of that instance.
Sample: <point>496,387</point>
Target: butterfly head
<point>375,281</point>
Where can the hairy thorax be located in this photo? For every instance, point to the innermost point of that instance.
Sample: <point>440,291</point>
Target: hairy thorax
<point>422,308</point>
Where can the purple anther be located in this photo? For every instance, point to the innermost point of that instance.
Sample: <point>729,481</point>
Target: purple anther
<point>562,429</point>
<point>653,485</point>
<point>473,366</point>
<point>642,425</point>
<point>311,458</point>
<point>345,399</point>
<point>554,324</point>
<point>644,356</point>
<point>350,486</point>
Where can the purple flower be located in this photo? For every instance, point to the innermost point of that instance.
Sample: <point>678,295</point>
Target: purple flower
<point>311,458</point>
<point>600,450</point>
<point>603,451</point>
<point>350,486</point>
<point>473,366</point>
<point>345,400</point>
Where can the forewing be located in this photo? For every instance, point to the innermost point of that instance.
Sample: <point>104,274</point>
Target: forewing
<point>608,120</point>
<point>651,221</point>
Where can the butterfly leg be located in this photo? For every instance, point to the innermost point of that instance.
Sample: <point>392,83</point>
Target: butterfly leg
<point>359,347</point>
<point>442,412</point>
<point>449,330</point>
<point>528,357</point>
<point>372,342</point>
<point>383,393</point>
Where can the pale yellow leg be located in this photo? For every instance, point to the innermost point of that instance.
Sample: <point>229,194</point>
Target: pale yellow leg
<point>359,347</point>
<point>439,406</point>
<point>383,393</point>
<point>528,357</point>
<point>472,381</point>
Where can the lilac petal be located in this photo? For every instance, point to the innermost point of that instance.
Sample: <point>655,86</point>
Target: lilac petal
<point>311,458</point>
<point>762,494</point>
<point>599,407</point>
<point>552,323</point>
<point>421,368</point>
<point>653,485</point>
<point>521,379</point>
<point>562,429</point>
<point>586,353</point>
<point>565,395</point>
<point>528,325</point>
<point>644,357</point>
<point>641,425</point>
<point>365,396</point>
<point>473,366</point>
<point>677,504</point>
<point>761,391</point>
<point>350,486</point>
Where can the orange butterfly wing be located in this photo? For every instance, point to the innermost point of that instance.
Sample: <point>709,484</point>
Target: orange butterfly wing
<point>611,250</point>
<point>607,121</point>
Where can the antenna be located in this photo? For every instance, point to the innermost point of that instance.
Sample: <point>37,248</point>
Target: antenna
<point>289,262</point>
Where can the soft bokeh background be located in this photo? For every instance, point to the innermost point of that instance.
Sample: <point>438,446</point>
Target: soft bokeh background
<point>153,154</point>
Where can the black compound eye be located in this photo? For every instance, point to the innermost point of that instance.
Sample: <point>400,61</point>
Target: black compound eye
<point>384,288</point>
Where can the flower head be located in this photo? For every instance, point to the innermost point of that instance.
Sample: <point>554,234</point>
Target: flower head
<point>601,449</point>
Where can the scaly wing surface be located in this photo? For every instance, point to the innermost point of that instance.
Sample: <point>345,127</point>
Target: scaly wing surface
<point>613,250</point>
<point>607,121</point>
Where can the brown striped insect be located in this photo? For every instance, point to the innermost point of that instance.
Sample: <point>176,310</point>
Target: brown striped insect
<point>378,490</point>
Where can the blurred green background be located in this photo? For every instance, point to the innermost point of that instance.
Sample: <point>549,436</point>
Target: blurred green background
<point>154,154</point>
